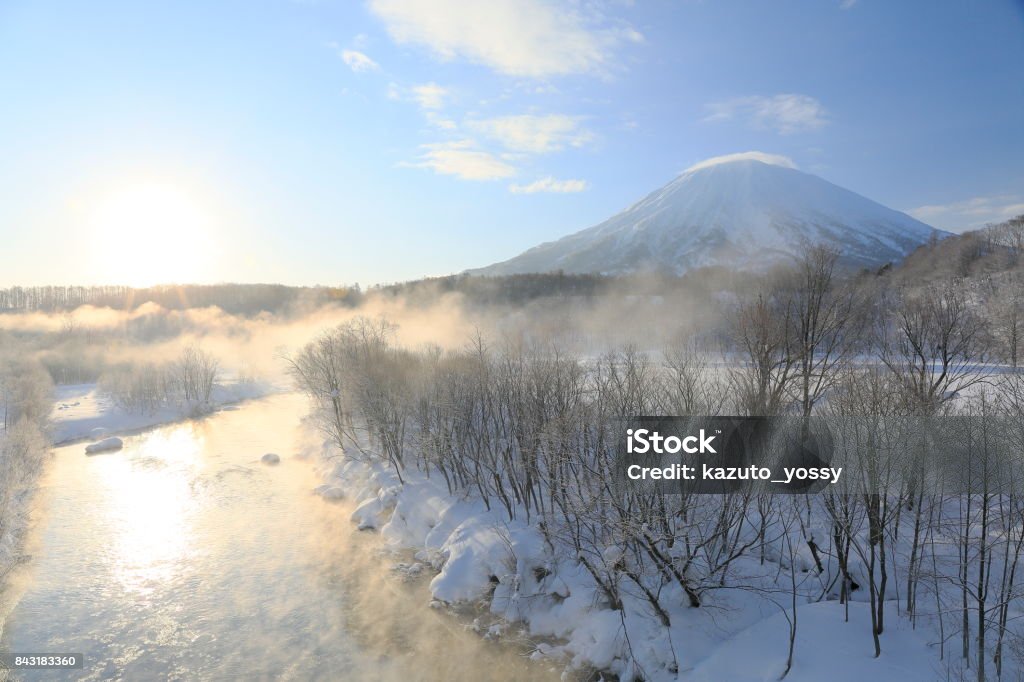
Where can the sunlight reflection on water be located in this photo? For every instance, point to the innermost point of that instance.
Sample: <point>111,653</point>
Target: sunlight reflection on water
<point>150,503</point>
<point>182,557</point>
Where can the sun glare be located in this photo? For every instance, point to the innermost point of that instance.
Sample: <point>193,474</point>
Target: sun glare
<point>151,233</point>
<point>149,505</point>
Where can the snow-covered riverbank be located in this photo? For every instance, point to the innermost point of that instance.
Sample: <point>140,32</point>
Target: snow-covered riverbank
<point>82,411</point>
<point>536,591</point>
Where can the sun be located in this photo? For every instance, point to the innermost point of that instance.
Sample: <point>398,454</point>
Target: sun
<point>151,233</point>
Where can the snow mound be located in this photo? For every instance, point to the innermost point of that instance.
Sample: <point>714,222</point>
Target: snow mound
<point>105,445</point>
<point>270,458</point>
<point>331,493</point>
<point>370,512</point>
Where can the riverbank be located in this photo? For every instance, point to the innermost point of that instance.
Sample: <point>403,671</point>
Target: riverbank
<point>184,556</point>
<point>82,411</point>
<point>534,588</point>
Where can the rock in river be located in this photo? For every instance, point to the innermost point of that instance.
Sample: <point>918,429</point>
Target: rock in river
<point>105,445</point>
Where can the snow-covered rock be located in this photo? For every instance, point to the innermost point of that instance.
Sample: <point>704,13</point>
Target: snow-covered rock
<point>331,493</point>
<point>737,211</point>
<point>105,445</point>
<point>367,516</point>
<point>270,458</point>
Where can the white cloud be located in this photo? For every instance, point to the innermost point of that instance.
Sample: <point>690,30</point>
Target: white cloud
<point>786,114</point>
<point>549,184</point>
<point>358,62</point>
<point>534,134</point>
<point>441,122</point>
<point>430,95</point>
<point>772,159</point>
<point>847,4</point>
<point>970,213</point>
<point>463,160</point>
<point>534,38</point>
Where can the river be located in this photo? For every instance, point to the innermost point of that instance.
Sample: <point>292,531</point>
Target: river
<point>183,557</point>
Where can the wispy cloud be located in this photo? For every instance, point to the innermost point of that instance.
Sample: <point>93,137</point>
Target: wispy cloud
<point>847,4</point>
<point>521,136</point>
<point>357,61</point>
<point>786,114</point>
<point>440,122</point>
<point>429,95</point>
<point>968,214</point>
<point>771,159</point>
<point>533,38</point>
<point>534,134</point>
<point>549,184</point>
<point>462,159</point>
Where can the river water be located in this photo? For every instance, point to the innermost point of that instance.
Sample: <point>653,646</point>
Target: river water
<point>183,557</point>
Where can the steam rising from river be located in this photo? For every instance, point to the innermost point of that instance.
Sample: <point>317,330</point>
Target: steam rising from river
<point>84,343</point>
<point>183,557</point>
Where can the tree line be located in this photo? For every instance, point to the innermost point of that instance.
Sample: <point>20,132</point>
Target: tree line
<point>188,380</point>
<point>243,299</point>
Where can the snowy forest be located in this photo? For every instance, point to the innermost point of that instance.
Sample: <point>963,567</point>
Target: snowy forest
<point>527,428</point>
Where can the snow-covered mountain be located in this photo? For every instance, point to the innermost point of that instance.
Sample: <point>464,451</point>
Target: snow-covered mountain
<point>744,210</point>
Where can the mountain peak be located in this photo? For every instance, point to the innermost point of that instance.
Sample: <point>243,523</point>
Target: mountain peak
<point>748,210</point>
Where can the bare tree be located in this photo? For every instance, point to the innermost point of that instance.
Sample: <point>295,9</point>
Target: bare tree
<point>1006,314</point>
<point>826,325</point>
<point>196,373</point>
<point>762,331</point>
<point>934,344</point>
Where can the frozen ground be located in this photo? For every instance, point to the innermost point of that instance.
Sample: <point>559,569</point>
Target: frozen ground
<point>827,648</point>
<point>532,591</point>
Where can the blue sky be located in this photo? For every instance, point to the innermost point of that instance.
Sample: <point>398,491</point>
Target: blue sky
<point>337,142</point>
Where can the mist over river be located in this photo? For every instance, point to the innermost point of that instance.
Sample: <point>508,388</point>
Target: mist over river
<point>184,557</point>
